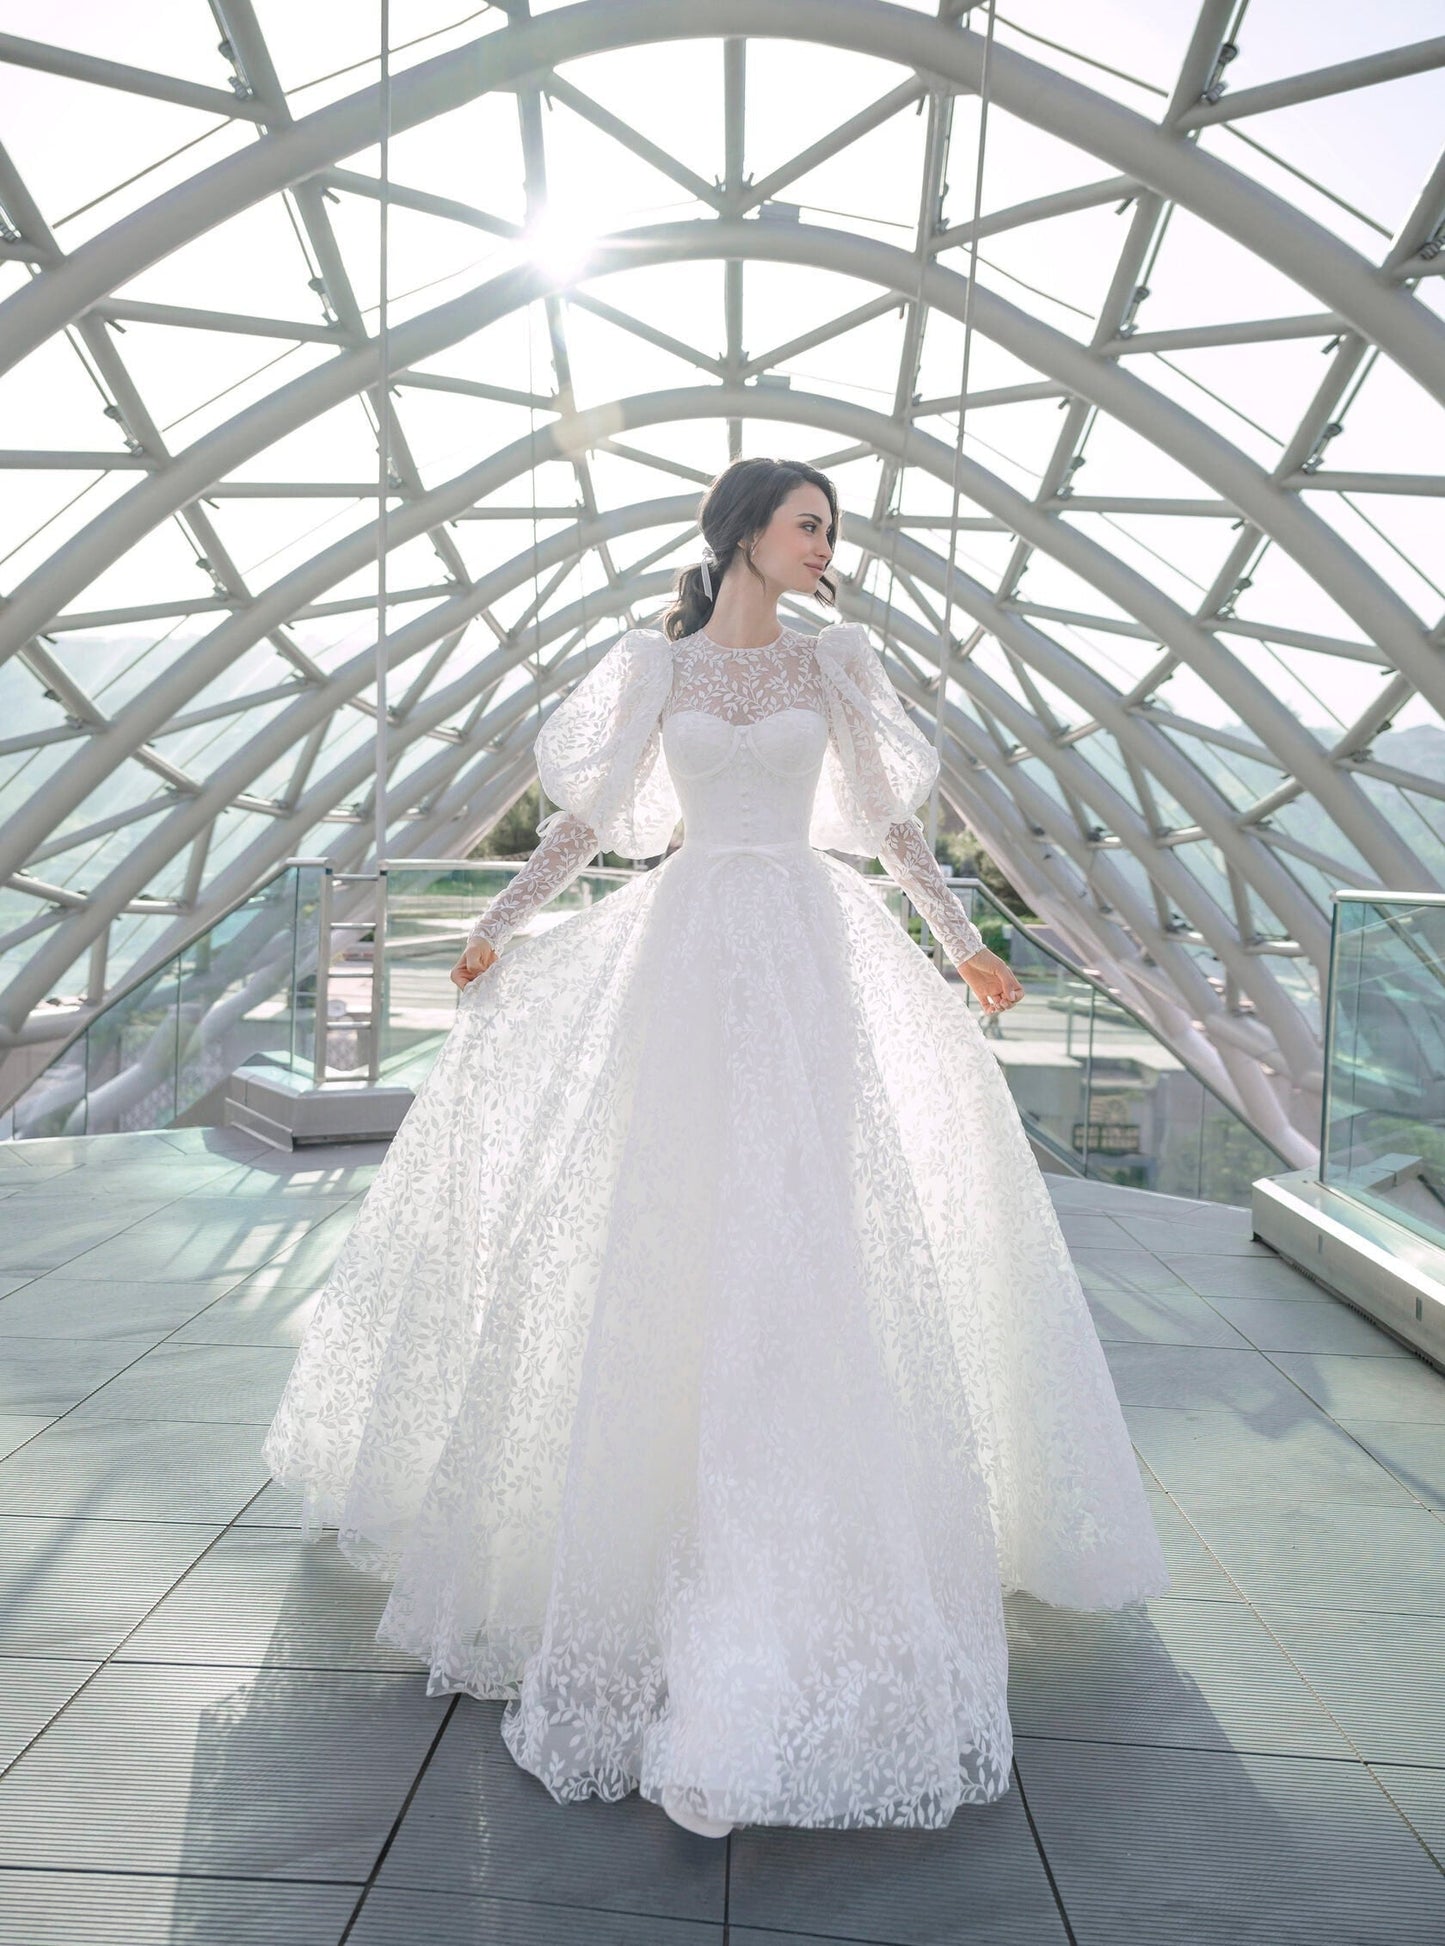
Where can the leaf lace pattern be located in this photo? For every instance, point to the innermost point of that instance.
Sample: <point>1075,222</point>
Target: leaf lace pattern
<point>706,1363</point>
<point>603,759</point>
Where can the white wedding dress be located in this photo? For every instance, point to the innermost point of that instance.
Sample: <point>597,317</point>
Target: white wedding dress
<point>706,1361</point>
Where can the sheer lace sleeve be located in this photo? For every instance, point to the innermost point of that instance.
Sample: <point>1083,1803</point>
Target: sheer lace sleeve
<point>599,759</point>
<point>910,862</point>
<point>879,768</point>
<point>567,843</point>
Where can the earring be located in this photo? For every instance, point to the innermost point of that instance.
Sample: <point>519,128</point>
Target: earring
<point>706,579</point>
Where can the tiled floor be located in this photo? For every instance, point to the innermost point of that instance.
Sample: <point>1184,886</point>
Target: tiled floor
<point>205,1743</point>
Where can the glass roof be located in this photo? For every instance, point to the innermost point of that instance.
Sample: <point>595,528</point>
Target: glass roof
<point>1119,328</point>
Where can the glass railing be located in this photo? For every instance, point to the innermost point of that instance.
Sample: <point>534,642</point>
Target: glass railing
<point>1382,1137</point>
<point>430,905</point>
<point>1096,1086</point>
<point>293,978</point>
<point>160,1052</point>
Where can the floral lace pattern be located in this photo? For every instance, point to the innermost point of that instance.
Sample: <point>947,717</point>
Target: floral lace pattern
<point>706,1362</point>
<point>876,760</point>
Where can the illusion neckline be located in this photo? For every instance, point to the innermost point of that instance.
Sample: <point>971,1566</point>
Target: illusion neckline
<point>722,648</point>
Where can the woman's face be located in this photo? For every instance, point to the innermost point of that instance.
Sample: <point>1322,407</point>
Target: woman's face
<point>792,550</point>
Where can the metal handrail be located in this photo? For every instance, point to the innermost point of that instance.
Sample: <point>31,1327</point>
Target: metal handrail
<point>326,924</point>
<point>147,968</point>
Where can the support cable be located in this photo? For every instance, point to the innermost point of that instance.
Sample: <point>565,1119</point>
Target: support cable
<point>945,647</point>
<point>383,434</point>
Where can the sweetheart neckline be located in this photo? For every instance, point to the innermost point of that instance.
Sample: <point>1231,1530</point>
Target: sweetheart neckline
<point>789,709</point>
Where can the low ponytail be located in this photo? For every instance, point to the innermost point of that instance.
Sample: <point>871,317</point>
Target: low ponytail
<point>692,604</point>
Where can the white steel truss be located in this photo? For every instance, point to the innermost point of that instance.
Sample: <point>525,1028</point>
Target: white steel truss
<point>1172,771</point>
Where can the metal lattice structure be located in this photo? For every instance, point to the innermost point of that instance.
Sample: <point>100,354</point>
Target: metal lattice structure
<point>1178,706</point>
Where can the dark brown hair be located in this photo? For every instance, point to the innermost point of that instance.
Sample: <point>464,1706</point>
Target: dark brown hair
<point>737,507</point>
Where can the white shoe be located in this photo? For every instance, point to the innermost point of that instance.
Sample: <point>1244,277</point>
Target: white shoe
<point>693,1820</point>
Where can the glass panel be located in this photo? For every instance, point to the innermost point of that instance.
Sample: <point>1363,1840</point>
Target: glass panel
<point>130,1065</point>
<point>1100,1090</point>
<point>313,908</point>
<point>237,1002</point>
<point>430,906</point>
<point>54,1103</point>
<point>1384,1114</point>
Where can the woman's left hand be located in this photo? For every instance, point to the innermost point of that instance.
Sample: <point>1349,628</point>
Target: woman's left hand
<point>992,981</point>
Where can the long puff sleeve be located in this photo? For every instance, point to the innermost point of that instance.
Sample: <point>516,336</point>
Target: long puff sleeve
<point>599,759</point>
<point>878,769</point>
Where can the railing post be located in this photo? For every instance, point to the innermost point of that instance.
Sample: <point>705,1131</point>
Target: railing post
<point>378,981</point>
<point>323,980</point>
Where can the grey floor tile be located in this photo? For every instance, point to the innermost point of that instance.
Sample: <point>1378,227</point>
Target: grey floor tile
<point>311,1256</point>
<point>17,1430</point>
<point>262,1773</point>
<point>1194,1574</point>
<point>1213,1230</point>
<point>15,1282</point>
<point>196,1238</point>
<point>305,1277</point>
<point>156,1183</point>
<point>37,1239</point>
<point>134,1470</point>
<point>225,1384</point>
<point>105,1151</point>
<point>58,1306</point>
<point>1368,1674</point>
<point>318,1188</point>
<point>1130,1269</point>
<point>1202,1675</point>
<point>1225,1276</point>
<point>1368,1388</point>
<point>751,1936</point>
<point>1201,1848</point>
<point>263,1596</point>
<point>273,1506</point>
<point>1419,1793</point>
<point>254,1313</point>
<point>119,1909</point>
<point>1413,1451</point>
<point>1320,1323</point>
<point>979,1879</point>
<point>1201,1378</point>
<point>77,1587</point>
<point>480,1823</point>
<point>1324,1554</point>
<point>42,1377</point>
<point>1091,1231</point>
<point>1285,1453</point>
<point>33,1689</point>
<point>1158,1317</point>
<point>407,1918</point>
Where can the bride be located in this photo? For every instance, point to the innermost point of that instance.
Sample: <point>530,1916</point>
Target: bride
<point>705,1363</point>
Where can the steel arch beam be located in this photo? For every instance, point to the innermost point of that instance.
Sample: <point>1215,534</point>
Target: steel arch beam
<point>1231,1068</point>
<point>1179,631</point>
<point>523,53</point>
<point>150,711</point>
<point>1259,866</point>
<point>1194,792</point>
<point>1380,614</point>
<point>1091,787</point>
<point>281,839</point>
<point>510,718</point>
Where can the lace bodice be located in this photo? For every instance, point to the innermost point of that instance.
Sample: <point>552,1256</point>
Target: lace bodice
<point>802,742</point>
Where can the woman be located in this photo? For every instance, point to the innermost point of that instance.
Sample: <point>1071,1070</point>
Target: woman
<point>706,1362</point>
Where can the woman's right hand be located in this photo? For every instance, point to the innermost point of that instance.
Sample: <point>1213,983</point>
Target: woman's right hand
<point>476,959</point>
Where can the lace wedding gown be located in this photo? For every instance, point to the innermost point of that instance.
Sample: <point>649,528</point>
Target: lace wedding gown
<point>705,1361</point>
